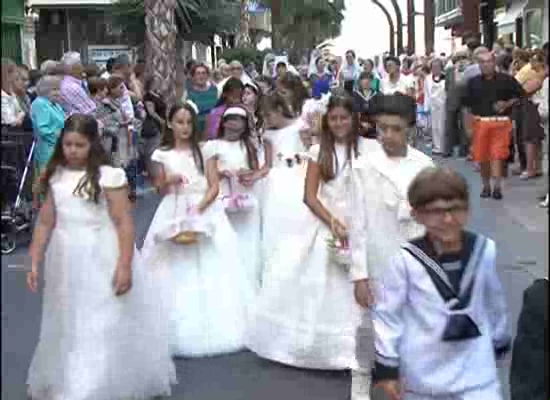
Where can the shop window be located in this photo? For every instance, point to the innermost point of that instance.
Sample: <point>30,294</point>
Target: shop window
<point>533,28</point>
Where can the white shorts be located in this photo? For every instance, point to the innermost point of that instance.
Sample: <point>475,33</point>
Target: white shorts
<point>490,392</point>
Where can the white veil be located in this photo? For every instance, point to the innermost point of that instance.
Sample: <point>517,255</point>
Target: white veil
<point>265,70</point>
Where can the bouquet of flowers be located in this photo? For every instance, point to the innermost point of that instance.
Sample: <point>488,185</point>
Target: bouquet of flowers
<point>339,253</point>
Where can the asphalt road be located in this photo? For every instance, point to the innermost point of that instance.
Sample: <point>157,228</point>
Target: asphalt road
<point>518,226</point>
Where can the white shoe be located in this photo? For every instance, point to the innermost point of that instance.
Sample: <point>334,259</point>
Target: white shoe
<point>360,385</point>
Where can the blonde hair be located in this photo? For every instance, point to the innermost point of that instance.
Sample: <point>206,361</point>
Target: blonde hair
<point>8,68</point>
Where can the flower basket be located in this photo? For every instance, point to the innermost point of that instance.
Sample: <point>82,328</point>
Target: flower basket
<point>235,202</point>
<point>186,238</point>
<point>238,202</point>
<point>185,229</point>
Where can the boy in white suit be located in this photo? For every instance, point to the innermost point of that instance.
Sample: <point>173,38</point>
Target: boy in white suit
<point>440,317</point>
<point>391,166</point>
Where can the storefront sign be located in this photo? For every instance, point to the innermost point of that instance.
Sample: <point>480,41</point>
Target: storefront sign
<point>100,54</point>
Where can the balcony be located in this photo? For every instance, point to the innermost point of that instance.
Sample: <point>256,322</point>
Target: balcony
<point>447,12</point>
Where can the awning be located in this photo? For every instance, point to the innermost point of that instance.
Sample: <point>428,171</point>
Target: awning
<point>507,22</point>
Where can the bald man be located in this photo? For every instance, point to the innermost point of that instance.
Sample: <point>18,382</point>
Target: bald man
<point>489,98</point>
<point>236,71</point>
<point>74,97</point>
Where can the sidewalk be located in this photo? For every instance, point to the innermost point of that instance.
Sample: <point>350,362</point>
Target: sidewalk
<point>517,222</point>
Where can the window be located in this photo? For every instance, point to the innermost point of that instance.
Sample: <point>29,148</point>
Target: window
<point>533,28</point>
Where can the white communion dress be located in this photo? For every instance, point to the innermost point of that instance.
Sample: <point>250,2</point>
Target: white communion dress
<point>206,284</point>
<point>284,212</point>
<point>232,156</point>
<point>306,314</point>
<point>94,345</point>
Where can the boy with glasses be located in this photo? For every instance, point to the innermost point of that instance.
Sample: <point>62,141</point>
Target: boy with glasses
<point>440,318</point>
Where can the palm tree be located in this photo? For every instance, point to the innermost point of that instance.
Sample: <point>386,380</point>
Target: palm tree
<point>243,39</point>
<point>162,24</point>
<point>160,44</point>
<point>304,23</point>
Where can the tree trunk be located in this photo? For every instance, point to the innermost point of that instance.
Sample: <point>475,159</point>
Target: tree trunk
<point>160,45</point>
<point>243,39</point>
<point>276,24</point>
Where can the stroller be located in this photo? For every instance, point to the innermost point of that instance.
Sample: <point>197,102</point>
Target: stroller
<point>17,213</point>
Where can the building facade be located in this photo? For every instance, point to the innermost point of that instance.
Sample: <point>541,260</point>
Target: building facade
<point>13,20</point>
<point>84,26</point>
<point>524,22</point>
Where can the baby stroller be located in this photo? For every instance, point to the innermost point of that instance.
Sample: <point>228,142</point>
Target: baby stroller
<point>17,214</point>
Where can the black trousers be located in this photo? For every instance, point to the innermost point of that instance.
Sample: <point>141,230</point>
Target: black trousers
<point>517,146</point>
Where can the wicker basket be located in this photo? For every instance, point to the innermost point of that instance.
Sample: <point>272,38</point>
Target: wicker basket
<point>186,238</point>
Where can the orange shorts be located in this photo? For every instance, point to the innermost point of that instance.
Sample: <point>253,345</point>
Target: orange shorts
<point>491,140</point>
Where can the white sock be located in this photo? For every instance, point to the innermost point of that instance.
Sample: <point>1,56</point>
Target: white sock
<point>360,385</point>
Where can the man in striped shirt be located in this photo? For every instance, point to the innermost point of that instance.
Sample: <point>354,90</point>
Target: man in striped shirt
<point>74,97</point>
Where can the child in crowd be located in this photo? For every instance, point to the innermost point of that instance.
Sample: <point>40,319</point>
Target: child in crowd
<point>310,305</point>
<point>100,314</point>
<point>440,317</point>
<point>236,152</point>
<point>192,246</point>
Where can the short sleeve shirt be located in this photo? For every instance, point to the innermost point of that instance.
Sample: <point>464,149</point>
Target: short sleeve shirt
<point>481,93</point>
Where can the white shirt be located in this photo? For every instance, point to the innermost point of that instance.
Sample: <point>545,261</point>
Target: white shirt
<point>403,85</point>
<point>10,109</point>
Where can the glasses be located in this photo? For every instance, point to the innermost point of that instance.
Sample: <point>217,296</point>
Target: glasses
<point>440,213</point>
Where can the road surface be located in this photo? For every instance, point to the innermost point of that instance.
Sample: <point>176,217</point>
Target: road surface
<point>516,223</point>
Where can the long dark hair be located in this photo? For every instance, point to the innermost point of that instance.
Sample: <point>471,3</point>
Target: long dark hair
<point>275,102</point>
<point>85,125</point>
<point>299,92</point>
<point>168,141</point>
<point>229,86</point>
<point>257,114</point>
<point>328,159</point>
<point>246,137</point>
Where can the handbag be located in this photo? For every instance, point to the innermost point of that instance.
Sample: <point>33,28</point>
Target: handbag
<point>235,202</point>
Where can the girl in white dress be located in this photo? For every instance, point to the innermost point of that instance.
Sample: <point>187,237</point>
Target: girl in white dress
<point>192,246</point>
<point>283,191</point>
<point>306,314</point>
<point>239,170</point>
<point>99,340</point>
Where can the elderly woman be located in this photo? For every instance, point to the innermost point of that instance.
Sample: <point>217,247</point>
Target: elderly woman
<point>203,93</point>
<point>115,127</point>
<point>48,119</point>
<point>19,87</point>
<point>12,114</point>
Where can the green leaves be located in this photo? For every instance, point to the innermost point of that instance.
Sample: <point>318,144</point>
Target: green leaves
<point>306,23</point>
<point>202,17</point>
